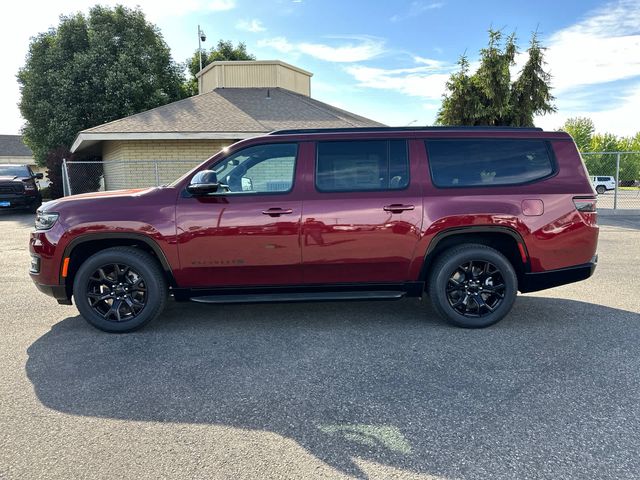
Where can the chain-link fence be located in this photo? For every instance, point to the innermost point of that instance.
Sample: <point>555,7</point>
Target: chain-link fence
<point>94,176</point>
<point>615,176</point>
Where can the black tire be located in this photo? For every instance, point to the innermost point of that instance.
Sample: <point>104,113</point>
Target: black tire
<point>34,207</point>
<point>601,189</point>
<point>142,282</point>
<point>454,278</point>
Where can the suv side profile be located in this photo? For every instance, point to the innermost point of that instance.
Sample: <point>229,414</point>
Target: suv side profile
<point>469,216</point>
<point>18,187</point>
<point>603,184</point>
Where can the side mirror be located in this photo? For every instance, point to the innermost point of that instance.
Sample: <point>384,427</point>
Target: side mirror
<point>39,176</point>
<point>203,183</point>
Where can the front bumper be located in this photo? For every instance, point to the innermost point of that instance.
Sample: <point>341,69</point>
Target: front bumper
<point>533,282</point>
<point>59,292</point>
<point>19,201</point>
<point>46,248</point>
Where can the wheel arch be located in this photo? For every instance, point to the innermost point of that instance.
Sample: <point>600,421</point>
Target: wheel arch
<point>506,240</point>
<point>82,247</point>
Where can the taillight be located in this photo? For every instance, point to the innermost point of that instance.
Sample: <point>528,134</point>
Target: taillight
<point>585,204</point>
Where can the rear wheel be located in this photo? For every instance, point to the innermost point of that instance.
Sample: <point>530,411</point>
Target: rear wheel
<point>472,286</point>
<point>120,289</point>
<point>601,189</point>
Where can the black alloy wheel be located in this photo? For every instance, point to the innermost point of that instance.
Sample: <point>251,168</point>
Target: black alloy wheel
<point>475,288</point>
<point>120,289</point>
<point>472,285</point>
<point>117,292</point>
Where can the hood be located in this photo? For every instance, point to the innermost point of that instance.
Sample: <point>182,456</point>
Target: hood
<point>96,196</point>
<point>8,178</point>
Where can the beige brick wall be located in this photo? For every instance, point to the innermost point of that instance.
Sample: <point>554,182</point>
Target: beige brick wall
<point>130,163</point>
<point>266,175</point>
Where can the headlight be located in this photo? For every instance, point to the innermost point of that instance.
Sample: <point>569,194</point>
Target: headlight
<point>44,221</point>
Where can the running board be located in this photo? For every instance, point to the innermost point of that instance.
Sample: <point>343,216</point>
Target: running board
<point>300,297</point>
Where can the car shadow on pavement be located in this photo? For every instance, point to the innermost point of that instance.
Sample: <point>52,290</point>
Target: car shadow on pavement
<point>546,392</point>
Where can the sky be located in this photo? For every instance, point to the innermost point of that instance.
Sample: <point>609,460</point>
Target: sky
<point>386,60</point>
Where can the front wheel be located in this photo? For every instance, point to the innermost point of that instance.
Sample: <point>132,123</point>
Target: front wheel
<point>120,289</point>
<point>472,286</point>
<point>601,189</point>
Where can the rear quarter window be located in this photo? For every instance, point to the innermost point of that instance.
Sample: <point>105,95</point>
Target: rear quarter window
<point>485,163</point>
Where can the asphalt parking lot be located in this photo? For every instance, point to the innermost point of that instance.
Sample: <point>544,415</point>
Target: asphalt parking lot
<point>330,390</point>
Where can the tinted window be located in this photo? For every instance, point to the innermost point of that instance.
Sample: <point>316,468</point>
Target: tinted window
<point>259,169</point>
<point>604,179</point>
<point>14,171</point>
<point>467,163</point>
<point>362,165</point>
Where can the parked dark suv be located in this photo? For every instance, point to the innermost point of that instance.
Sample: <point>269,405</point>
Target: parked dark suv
<point>469,215</point>
<point>18,187</point>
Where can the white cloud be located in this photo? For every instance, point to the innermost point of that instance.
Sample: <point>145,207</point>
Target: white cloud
<point>429,62</point>
<point>250,26</point>
<point>620,120</point>
<point>427,82</point>
<point>222,5</point>
<point>358,49</point>
<point>280,44</point>
<point>603,47</point>
<point>416,8</point>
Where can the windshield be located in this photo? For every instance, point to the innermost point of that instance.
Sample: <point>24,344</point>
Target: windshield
<point>14,171</point>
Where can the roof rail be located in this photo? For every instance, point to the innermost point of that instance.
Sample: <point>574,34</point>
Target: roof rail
<point>401,129</point>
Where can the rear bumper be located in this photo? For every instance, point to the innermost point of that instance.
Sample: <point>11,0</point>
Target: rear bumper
<point>533,282</point>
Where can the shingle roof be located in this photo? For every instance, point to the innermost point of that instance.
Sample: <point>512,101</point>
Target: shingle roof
<point>13,146</point>
<point>237,110</point>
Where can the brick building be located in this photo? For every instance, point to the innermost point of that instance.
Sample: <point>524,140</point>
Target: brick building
<point>236,100</point>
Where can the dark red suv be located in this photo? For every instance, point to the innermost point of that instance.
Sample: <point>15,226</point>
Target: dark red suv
<point>469,215</point>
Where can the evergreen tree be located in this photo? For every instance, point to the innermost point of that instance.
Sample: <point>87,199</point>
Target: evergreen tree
<point>489,96</point>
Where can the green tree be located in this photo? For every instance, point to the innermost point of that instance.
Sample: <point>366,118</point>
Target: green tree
<point>90,70</point>
<point>224,50</point>
<point>600,162</point>
<point>629,162</point>
<point>489,96</point>
<point>582,130</point>
<point>531,92</point>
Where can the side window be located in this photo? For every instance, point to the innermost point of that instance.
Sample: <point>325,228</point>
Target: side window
<point>362,165</point>
<point>470,163</point>
<point>259,169</point>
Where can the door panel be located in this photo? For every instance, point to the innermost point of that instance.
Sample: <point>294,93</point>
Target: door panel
<point>243,237</point>
<point>361,236</point>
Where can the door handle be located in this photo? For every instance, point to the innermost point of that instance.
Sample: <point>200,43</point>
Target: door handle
<point>397,208</point>
<point>276,212</point>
